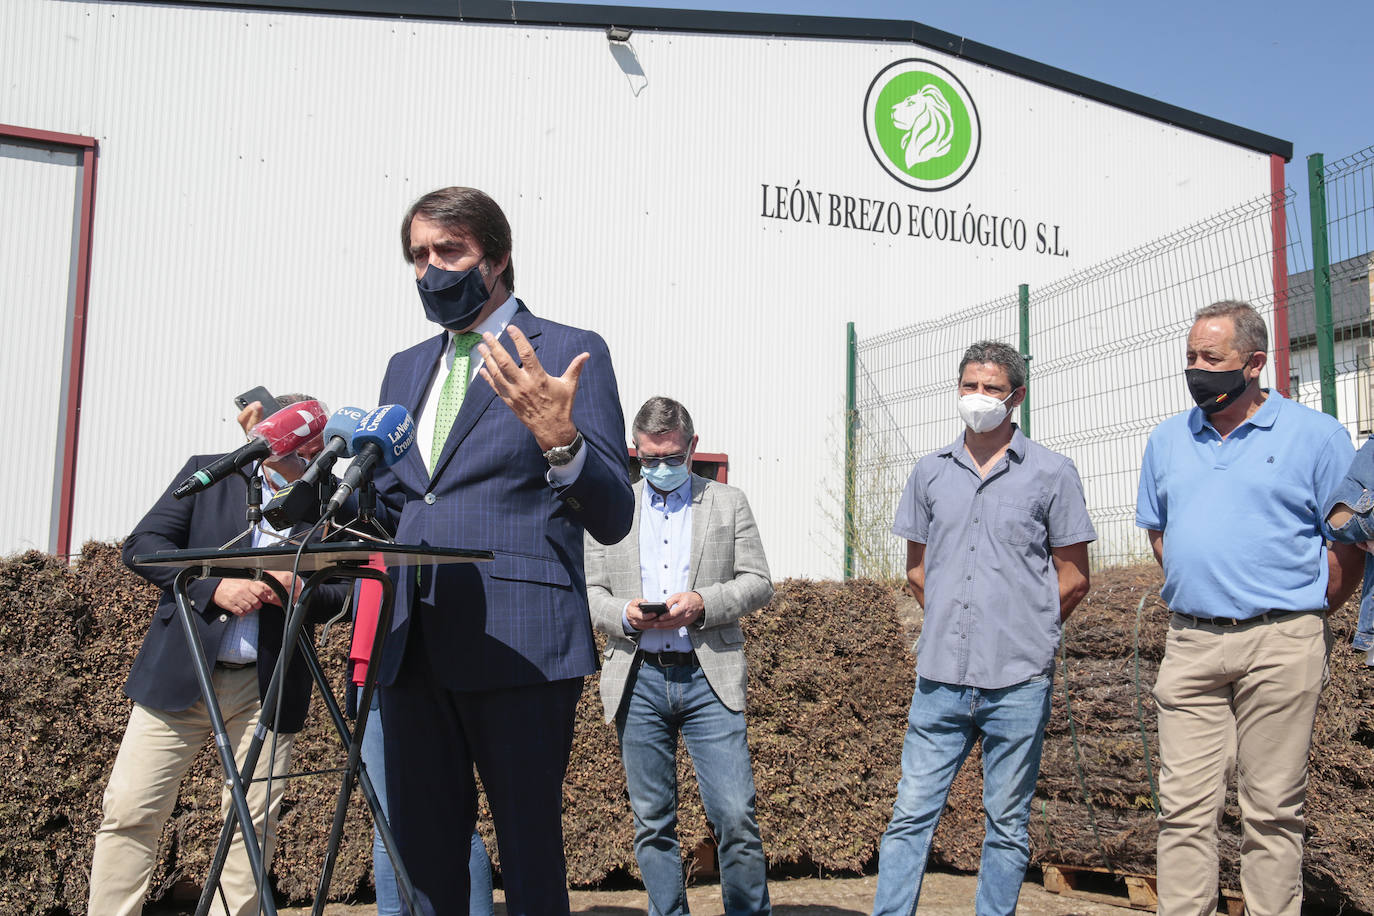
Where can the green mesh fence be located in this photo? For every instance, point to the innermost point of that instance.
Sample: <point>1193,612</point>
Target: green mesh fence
<point>904,383</point>
<point>1348,190</point>
<point>1107,348</point>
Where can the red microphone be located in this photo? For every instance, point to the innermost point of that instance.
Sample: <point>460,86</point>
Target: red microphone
<point>280,434</point>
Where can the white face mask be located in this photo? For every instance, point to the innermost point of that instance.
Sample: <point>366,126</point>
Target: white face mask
<point>981,412</point>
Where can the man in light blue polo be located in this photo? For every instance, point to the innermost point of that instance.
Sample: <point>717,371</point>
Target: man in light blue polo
<point>997,553</point>
<point>1231,494</point>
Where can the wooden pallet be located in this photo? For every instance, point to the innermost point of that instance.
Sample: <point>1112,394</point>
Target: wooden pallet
<point>1104,886</point>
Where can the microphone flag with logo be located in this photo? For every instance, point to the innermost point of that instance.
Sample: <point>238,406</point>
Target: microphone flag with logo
<point>280,434</point>
<point>384,435</point>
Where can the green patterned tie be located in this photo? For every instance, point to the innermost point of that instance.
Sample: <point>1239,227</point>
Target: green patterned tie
<point>451,396</point>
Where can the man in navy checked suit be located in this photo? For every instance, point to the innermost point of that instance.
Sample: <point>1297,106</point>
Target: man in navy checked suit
<point>484,664</point>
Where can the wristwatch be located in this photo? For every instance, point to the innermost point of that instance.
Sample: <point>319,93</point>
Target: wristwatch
<point>562,455</point>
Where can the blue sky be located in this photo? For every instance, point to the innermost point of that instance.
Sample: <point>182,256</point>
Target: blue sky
<point>1302,77</point>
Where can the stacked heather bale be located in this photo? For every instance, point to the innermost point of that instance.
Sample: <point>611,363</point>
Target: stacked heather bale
<point>1340,796</point>
<point>830,682</point>
<point>68,635</point>
<point>64,651</point>
<point>307,810</point>
<point>1095,800</point>
<point>1093,805</point>
<point>597,830</point>
<point>1108,682</point>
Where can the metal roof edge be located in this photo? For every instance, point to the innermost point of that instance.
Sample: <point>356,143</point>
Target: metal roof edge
<point>778,24</point>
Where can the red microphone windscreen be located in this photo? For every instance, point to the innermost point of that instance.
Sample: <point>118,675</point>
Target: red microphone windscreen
<point>293,426</point>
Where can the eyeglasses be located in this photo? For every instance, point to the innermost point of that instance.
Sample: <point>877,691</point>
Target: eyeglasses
<point>653,461</point>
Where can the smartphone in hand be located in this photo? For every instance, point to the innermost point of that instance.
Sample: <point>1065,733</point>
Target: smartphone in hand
<point>269,403</point>
<point>653,610</point>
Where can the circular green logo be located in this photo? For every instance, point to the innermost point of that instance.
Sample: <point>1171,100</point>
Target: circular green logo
<point>922,125</point>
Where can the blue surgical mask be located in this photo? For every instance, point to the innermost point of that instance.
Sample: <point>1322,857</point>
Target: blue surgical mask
<point>665,477</point>
<point>453,298</point>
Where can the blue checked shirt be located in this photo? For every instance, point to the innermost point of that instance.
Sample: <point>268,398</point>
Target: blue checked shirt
<point>992,593</point>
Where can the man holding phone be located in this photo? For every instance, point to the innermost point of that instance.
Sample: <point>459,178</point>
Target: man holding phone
<point>670,596</point>
<point>240,622</point>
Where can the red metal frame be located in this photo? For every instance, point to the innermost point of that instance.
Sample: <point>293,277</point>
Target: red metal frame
<point>88,148</point>
<point>702,461</point>
<point>1278,221</point>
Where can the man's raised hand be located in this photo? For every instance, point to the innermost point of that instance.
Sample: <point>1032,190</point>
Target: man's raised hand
<point>541,401</point>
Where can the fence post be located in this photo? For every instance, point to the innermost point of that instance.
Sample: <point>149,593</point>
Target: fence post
<point>851,426</point>
<point>1023,301</point>
<point>1321,282</point>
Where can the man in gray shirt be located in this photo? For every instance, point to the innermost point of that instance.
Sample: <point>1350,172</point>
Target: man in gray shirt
<point>997,553</point>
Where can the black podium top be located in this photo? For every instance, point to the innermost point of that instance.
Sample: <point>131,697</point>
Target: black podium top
<point>314,557</point>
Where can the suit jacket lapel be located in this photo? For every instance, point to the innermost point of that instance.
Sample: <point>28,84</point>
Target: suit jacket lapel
<point>422,369</point>
<point>479,394</point>
<point>625,575</point>
<point>702,497</point>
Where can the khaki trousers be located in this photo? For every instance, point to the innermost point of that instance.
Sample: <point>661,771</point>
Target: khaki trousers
<point>1243,696</point>
<point>157,750</point>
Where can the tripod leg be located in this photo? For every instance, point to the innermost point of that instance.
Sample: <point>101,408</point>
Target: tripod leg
<point>355,769</point>
<point>226,753</point>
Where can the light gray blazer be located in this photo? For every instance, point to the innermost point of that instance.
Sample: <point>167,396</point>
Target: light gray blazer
<point>728,570</point>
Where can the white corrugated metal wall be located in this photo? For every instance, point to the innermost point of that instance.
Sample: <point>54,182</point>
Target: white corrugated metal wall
<point>36,260</point>
<point>254,167</point>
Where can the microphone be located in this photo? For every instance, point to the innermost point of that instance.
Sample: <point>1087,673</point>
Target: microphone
<point>300,500</point>
<point>280,434</point>
<point>338,435</point>
<point>384,435</point>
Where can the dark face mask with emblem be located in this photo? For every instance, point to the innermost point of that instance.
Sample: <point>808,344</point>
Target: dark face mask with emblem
<point>1215,391</point>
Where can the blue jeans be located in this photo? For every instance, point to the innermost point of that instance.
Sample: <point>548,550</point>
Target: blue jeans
<point>1356,492</point>
<point>1364,629</point>
<point>383,874</point>
<point>661,703</point>
<point>944,722</point>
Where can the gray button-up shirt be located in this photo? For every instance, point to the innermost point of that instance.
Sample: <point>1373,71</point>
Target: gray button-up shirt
<point>992,594</point>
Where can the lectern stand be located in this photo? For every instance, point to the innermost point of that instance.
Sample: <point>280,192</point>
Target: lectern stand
<point>322,561</point>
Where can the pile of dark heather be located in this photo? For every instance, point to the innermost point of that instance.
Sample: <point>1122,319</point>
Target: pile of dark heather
<point>830,680</point>
<point>1094,803</point>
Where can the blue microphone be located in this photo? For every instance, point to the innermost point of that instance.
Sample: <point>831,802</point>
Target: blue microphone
<point>384,435</point>
<point>300,500</point>
<point>338,443</point>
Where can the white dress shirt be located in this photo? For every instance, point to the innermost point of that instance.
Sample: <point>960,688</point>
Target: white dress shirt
<point>495,323</point>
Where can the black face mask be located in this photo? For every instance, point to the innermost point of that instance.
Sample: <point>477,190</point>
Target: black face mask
<point>453,298</point>
<point>1215,391</point>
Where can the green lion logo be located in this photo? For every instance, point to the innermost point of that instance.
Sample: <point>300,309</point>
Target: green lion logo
<point>921,124</point>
